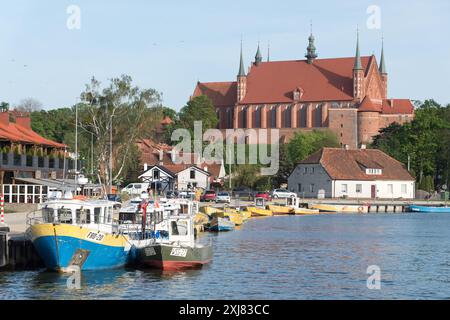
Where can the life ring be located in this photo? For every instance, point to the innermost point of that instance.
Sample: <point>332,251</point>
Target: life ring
<point>360,209</point>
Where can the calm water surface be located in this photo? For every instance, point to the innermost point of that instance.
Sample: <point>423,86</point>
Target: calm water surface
<point>293,257</point>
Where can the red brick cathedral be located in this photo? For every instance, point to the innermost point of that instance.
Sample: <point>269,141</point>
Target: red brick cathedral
<point>346,95</point>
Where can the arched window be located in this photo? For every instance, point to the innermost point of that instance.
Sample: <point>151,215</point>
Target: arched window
<point>287,116</point>
<point>244,117</point>
<point>273,116</point>
<point>230,112</point>
<point>257,115</point>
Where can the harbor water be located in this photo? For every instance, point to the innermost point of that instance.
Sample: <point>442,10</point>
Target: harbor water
<point>287,257</point>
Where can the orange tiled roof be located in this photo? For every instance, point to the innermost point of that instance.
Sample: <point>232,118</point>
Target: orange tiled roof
<point>21,133</point>
<point>341,164</point>
<point>368,105</point>
<point>323,80</point>
<point>397,106</point>
<point>222,94</point>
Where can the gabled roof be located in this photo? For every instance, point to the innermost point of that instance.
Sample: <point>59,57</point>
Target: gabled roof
<point>20,131</point>
<point>173,169</point>
<point>222,94</point>
<point>368,105</point>
<point>341,164</point>
<point>323,80</point>
<point>397,106</point>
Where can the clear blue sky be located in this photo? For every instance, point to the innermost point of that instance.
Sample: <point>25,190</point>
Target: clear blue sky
<point>169,45</point>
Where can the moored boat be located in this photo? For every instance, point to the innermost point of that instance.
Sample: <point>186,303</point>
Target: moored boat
<point>428,209</point>
<point>281,210</point>
<point>71,232</point>
<point>338,208</point>
<point>179,250</point>
<point>221,224</point>
<point>305,211</point>
<point>259,212</point>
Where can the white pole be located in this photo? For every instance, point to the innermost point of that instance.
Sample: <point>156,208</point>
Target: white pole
<point>76,140</point>
<point>110,155</point>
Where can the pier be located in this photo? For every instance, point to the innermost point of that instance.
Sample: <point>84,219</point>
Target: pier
<point>17,253</point>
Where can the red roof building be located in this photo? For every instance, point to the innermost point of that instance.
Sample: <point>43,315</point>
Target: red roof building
<point>347,95</point>
<point>24,153</point>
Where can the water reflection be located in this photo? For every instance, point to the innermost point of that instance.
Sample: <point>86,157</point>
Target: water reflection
<point>312,257</point>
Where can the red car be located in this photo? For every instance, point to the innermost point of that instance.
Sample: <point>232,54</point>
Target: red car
<point>264,195</point>
<point>208,195</point>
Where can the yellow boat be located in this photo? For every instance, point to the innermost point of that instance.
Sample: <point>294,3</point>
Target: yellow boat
<point>259,212</point>
<point>201,218</point>
<point>210,210</point>
<point>305,211</point>
<point>236,218</point>
<point>246,214</point>
<point>332,208</point>
<point>279,210</point>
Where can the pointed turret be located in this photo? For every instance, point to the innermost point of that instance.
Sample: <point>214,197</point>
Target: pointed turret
<point>241,79</point>
<point>383,71</point>
<point>358,75</point>
<point>382,63</point>
<point>258,57</point>
<point>311,49</point>
<point>358,64</point>
<point>241,66</point>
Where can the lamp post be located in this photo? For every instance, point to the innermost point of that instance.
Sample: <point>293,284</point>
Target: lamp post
<point>110,153</point>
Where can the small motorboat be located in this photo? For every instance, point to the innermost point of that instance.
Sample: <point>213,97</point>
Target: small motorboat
<point>219,224</point>
<point>236,218</point>
<point>281,210</point>
<point>305,211</point>
<point>428,209</point>
<point>259,212</point>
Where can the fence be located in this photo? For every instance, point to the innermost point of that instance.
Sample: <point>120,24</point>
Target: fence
<point>24,193</point>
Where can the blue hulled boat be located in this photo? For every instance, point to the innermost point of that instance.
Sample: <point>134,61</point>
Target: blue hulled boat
<point>428,209</point>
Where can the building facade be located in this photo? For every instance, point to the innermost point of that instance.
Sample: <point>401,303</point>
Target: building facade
<point>346,95</point>
<point>341,173</point>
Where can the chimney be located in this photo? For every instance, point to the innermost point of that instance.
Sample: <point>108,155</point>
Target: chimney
<point>173,155</point>
<point>24,120</point>
<point>145,167</point>
<point>346,147</point>
<point>4,118</point>
<point>161,157</point>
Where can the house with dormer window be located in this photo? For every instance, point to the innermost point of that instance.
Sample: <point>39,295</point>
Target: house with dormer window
<point>358,174</point>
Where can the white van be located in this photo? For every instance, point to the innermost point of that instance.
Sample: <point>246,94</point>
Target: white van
<point>136,188</point>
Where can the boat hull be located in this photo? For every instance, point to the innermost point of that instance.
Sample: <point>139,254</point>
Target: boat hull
<point>220,224</point>
<point>173,258</point>
<point>281,210</point>
<point>304,211</point>
<point>259,212</point>
<point>61,246</point>
<point>425,209</point>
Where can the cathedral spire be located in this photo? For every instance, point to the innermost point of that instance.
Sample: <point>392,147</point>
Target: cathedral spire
<point>382,63</point>
<point>258,57</point>
<point>311,49</point>
<point>358,64</point>
<point>241,66</point>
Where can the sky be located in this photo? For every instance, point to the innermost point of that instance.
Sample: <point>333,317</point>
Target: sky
<point>170,45</point>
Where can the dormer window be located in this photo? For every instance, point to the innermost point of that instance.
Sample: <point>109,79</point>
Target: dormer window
<point>298,93</point>
<point>374,172</point>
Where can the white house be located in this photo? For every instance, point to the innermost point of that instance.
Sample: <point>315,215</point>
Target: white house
<point>176,177</point>
<point>342,173</point>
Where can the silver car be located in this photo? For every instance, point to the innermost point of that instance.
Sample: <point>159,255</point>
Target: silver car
<point>223,197</point>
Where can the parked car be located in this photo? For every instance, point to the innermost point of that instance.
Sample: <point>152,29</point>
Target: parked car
<point>172,194</point>
<point>208,195</point>
<point>264,195</point>
<point>186,194</point>
<point>223,196</point>
<point>114,197</point>
<point>136,188</point>
<point>282,193</point>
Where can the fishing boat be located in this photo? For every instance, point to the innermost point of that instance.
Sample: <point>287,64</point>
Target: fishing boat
<point>280,210</point>
<point>305,211</point>
<point>219,224</point>
<point>259,212</point>
<point>179,250</point>
<point>294,203</point>
<point>428,209</point>
<point>210,210</point>
<point>68,232</point>
<point>234,217</point>
<point>245,214</point>
<point>336,208</point>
